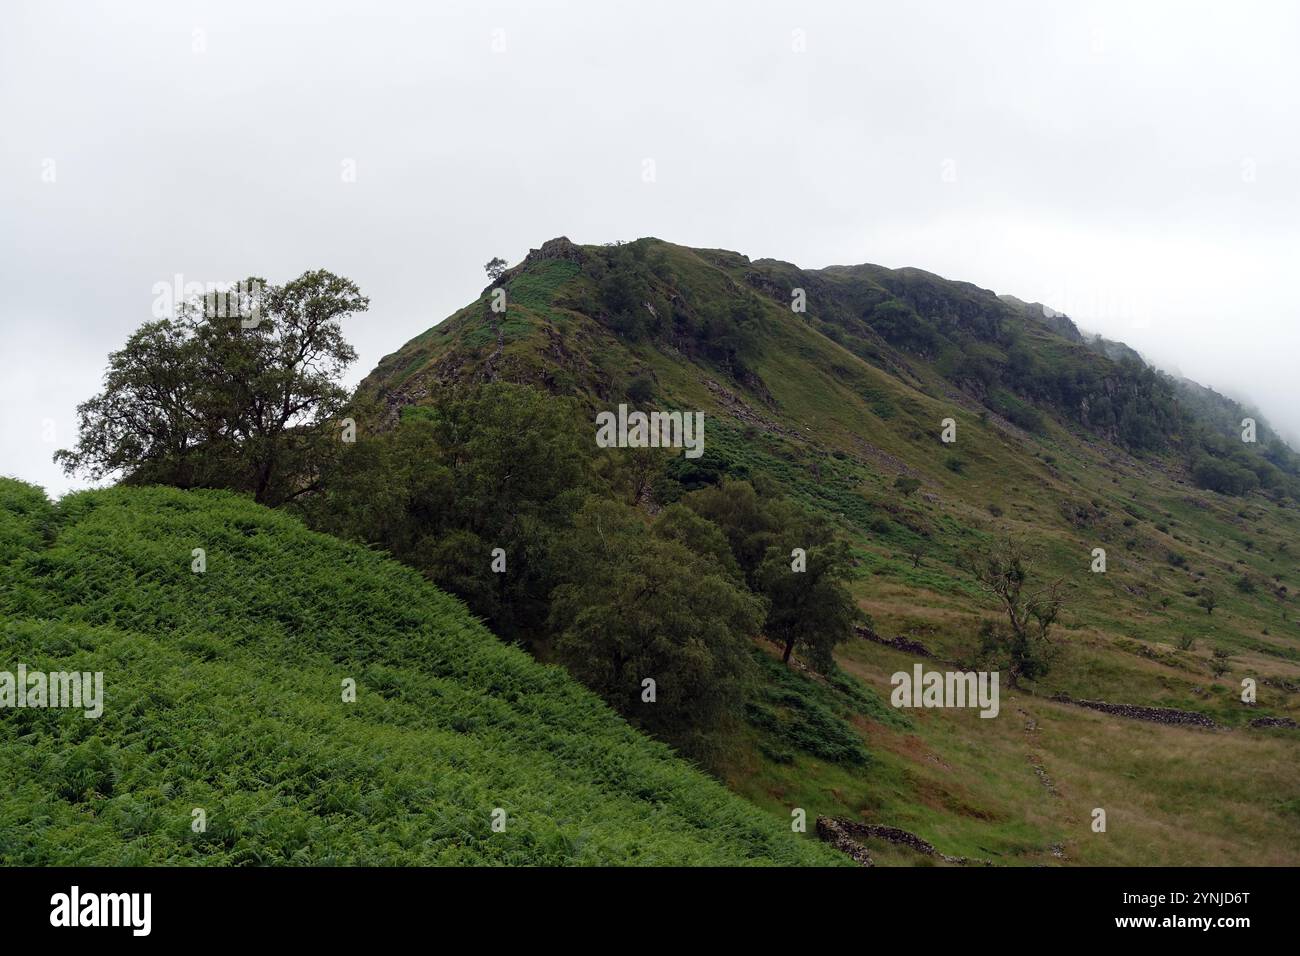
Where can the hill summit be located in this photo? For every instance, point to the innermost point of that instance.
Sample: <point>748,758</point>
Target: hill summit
<point>931,421</point>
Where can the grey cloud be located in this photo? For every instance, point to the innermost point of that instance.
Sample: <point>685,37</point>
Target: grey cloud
<point>1133,165</point>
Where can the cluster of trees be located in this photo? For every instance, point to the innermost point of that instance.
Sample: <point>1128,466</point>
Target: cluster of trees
<point>498,467</point>
<point>496,493</point>
<point>1224,475</point>
<point>976,346</point>
<point>1233,467</point>
<point>1101,385</point>
<point>1126,400</point>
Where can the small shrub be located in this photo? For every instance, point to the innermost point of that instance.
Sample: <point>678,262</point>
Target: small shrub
<point>640,389</point>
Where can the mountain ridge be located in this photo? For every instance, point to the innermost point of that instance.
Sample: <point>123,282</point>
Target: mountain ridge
<point>1058,444</point>
<point>892,335</point>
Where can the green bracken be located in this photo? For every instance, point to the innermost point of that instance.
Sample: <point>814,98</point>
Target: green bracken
<point>223,693</point>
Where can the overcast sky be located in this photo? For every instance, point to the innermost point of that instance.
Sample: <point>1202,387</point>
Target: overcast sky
<point>1136,165</point>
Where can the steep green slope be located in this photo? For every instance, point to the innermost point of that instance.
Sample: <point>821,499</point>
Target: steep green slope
<point>1068,444</point>
<point>224,693</point>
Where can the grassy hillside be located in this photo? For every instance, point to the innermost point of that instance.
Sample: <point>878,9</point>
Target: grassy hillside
<point>223,692</point>
<point>1067,444</point>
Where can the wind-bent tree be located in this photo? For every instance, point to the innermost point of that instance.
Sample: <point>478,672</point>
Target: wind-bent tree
<point>1025,649</point>
<point>243,398</point>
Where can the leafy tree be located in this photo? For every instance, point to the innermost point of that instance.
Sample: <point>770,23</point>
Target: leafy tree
<point>810,610</point>
<point>151,422</point>
<point>623,293</point>
<point>247,400</point>
<point>627,281</point>
<point>1024,649</point>
<point>750,524</point>
<point>1208,600</point>
<point>681,524</point>
<point>638,605</point>
<point>495,268</point>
